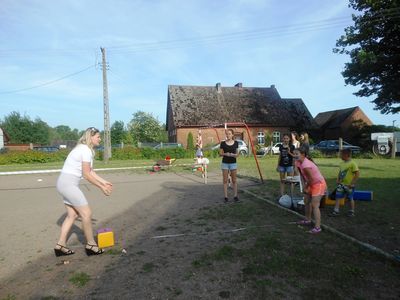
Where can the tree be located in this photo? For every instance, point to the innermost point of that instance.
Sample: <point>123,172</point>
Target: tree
<point>190,142</point>
<point>373,44</point>
<point>40,132</point>
<point>117,132</point>
<point>64,133</point>
<point>145,128</point>
<point>21,129</point>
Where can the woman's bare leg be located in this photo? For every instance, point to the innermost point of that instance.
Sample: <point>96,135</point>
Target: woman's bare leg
<point>69,220</point>
<point>234,182</point>
<point>225,174</point>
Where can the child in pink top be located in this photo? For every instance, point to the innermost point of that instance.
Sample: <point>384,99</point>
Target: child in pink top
<point>314,188</point>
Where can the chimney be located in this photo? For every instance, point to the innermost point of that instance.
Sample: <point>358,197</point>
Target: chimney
<point>218,86</point>
<point>239,85</point>
<point>272,86</point>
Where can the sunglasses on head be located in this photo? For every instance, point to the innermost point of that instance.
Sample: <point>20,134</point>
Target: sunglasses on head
<point>93,130</point>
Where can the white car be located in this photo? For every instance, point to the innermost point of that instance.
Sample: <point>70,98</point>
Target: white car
<point>265,150</point>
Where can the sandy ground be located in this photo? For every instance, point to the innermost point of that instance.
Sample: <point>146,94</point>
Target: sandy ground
<point>141,207</point>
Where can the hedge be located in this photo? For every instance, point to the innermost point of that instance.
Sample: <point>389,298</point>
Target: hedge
<point>126,153</point>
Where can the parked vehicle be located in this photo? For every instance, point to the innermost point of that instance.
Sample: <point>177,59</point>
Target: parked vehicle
<point>167,145</point>
<point>383,142</point>
<point>48,149</point>
<point>332,146</point>
<point>243,149</point>
<point>265,150</point>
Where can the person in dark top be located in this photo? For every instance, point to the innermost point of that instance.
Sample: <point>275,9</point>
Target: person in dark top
<point>229,151</point>
<point>285,161</point>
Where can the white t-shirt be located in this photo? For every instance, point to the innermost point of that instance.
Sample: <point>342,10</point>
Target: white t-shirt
<point>73,163</point>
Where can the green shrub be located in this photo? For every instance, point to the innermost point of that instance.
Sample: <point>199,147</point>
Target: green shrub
<point>316,154</point>
<point>367,155</point>
<point>26,157</point>
<point>190,142</point>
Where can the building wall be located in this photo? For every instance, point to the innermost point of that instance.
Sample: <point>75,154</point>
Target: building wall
<point>20,147</point>
<point>1,139</point>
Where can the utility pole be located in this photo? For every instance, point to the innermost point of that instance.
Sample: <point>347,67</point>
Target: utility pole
<point>107,135</point>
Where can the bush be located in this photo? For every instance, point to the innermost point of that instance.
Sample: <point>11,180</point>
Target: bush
<point>26,157</point>
<point>366,155</point>
<point>211,153</point>
<point>316,154</point>
<point>129,153</point>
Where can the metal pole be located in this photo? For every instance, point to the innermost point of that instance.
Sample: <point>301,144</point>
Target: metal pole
<point>251,144</point>
<point>107,135</point>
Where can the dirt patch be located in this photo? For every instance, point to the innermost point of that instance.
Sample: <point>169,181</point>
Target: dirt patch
<point>182,242</point>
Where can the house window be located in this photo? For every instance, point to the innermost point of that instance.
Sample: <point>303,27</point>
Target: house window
<point>261,138</point>
<point>276,136</point>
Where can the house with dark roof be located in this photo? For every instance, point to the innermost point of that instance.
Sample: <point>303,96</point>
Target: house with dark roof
<point>209,108</point>
<point>339,123</point>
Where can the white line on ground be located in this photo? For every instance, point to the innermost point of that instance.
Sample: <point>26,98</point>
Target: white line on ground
<point>207,232</point>
<point>332,230</point>
<point>59,170</point>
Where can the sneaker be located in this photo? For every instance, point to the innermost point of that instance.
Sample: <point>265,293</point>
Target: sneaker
<point>350,214</point>
<point>304,222</point>
<point>315,230</point>
<point>236,199</point>
<point>334,214</point>
<point>225,200</point>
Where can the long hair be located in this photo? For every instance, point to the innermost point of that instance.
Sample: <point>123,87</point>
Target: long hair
<point>86,138</point>
<point>303,150</point>
<point>306,138</point>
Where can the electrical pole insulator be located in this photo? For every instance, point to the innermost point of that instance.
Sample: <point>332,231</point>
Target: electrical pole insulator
<point>107,135</point>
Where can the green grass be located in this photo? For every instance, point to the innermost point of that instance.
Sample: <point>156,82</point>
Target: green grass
<point>148,267</point>
<point>9,297</point>
<point>376,222</point>
<point>279,259</point>
<point>79,279</point>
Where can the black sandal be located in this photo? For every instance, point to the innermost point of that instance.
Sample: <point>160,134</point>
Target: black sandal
<point>61,252</point>
<point>90,251</point>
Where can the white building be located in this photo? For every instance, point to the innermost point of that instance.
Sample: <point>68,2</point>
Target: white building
<point>1,139</point>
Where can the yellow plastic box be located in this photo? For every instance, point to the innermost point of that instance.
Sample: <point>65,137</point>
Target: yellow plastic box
<point>105,237</point>
<point>329,201</point>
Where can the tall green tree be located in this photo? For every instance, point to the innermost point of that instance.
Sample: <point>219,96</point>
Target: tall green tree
<point>373,44</point>
<point>117,132</point>
<point>190,141</point>
<point>40,132</point>
<point>144,127</point>
<point>65,133</point>
<point>21,129</point>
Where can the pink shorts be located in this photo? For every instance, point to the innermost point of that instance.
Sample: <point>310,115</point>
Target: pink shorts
<point>317,189</point>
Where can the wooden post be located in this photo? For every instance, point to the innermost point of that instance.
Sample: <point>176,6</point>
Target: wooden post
<point>271,148</point>
<point>340,146</point>
<point>394,147</point>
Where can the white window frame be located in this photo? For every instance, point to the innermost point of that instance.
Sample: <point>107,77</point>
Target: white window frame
<point>276,137</point>
<point>261,138</point>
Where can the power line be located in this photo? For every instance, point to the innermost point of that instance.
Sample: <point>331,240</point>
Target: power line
<point>273,32</point>
<point>48,82</point>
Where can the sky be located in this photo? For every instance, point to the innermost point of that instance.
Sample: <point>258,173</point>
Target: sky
<point>50,55</point>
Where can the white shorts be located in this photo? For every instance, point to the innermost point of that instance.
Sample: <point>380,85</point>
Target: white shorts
<point>68,187</point>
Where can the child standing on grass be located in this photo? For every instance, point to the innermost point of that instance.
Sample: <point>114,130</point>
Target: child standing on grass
<point>346,180</point>
<point>314,187</point>
<point>285,161</point>
<point>229,152</point>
